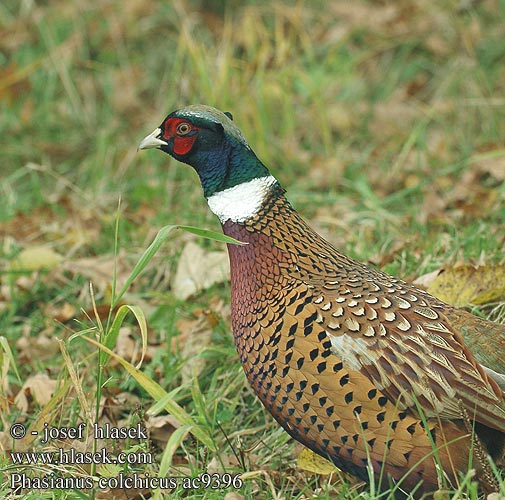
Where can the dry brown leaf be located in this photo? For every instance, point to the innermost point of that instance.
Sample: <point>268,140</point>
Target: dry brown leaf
<point>115,404</point>
<point>25,283</point>
<point>465,284</point>
<point>425,280</point>
<point>126,347</point>
<point>59,312</point>
<point>442,495</point>
<point>492,166</point>
<point>99,270</point>
<point>23,226</point>
<point>197,334</point>
<point>434,205</point>
<point>79,226</point>
<point>471,198</point>
<point>224,463</point>
<point>325,171</point>
<point>39,387</point>
<point>160,428</point>
<point>216,309</point>
<point>221,309</point>
<point>232,495</point>
<point>101,311</point>
<point>364,15</point>
<point>198,270</point>
<point>5,442</point>
<point>495,496</point>
<point>43,346</point>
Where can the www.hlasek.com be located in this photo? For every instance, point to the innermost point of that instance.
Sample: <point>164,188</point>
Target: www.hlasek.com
<point>72,456</point>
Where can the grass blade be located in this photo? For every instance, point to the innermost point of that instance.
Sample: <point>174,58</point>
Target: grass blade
<point>157,392</point>
<point>159,240</point>
<point>111,337</point>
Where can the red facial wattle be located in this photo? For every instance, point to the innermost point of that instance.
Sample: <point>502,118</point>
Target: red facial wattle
<point>182,142</point>
<point>183,145</point>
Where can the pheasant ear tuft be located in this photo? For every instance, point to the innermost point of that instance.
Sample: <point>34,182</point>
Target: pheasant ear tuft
<point>229,115</point>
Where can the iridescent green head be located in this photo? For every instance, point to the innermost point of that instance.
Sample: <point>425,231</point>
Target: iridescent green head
<point>209,141</point>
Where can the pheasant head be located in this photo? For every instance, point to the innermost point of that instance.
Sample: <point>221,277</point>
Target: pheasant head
<point>209,141</point>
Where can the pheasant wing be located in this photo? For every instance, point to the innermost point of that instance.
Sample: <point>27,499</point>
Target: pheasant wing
<point>400,338</point>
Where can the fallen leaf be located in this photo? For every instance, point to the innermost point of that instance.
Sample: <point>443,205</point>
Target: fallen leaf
<point>226,461</point>
<point>465,284</point>
<point>60,312</point>
<point>216,309</point>
<point>197,334</point>
<point>39,387</point>
<point>434,205</point>
<point>198,269</point>
<point>115,404</point>
<point>364,14</point>
<point>442,495</point>
<point>43,346</point>
<point>231,495</point>
<point>494,166</point>
<point>425,280</point>
<point>5,442</point>
<point>126,346</point>
<point>99,270</point>
<point>311,462</point>
<point>495,496</point>
<point>36,258</point>
<point>160,428</point>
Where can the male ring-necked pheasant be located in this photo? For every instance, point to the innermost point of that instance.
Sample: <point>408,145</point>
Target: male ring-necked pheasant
<point>361,367</point>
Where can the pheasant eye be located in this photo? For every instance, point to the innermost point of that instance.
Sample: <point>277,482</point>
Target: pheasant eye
<point>183,129</point>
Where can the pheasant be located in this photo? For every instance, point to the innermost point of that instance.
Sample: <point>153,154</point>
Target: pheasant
<point>363,368</point>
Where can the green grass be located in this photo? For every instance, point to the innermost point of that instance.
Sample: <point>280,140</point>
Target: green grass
<point>377,118</point>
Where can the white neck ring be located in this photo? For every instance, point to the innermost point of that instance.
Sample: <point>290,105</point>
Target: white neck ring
<point>242,201</point>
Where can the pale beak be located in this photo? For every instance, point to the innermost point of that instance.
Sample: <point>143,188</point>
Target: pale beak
<point>152,140</point>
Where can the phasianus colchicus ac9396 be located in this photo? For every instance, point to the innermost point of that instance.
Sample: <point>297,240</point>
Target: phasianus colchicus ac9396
<point>361,367</point>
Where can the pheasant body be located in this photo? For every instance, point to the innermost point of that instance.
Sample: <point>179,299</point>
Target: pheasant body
<point>364,369</point>
<point>289,358</point>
